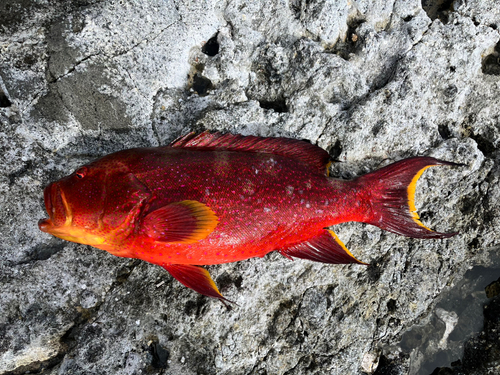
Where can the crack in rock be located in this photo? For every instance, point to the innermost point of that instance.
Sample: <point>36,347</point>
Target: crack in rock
<point>145,40</point>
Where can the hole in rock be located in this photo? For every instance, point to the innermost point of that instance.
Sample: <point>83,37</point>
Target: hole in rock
<point>373,272</point>
<point>196,307</point>
<point>225,281</point>
<point>391,305</point>
<point>278,105</point>
<point>444,131</point>
<point>201,85</point>
<point>160,355</point>
<point>4,101</point>
<point>352,41</point>
<point>377,128</point>
<point>388,366</point>
<point>440,9</point>
<point>491,63</point>
<point>483,144</point>
<point>335,150</point>
<point>211,47</point>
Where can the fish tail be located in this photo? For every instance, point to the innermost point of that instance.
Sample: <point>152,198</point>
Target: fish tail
<point>391,193</point>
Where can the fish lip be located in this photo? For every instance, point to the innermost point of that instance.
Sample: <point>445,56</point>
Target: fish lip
<point>45,225</point>
<point>52,196</point>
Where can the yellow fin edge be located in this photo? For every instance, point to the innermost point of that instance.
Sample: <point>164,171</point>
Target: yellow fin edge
<point>206,221</point>
<point>211,281</point>
<point>328,168</point>
<point>411,198</point>
<point>337,239</point>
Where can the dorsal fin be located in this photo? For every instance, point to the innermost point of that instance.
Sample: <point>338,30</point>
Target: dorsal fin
<point>303,151</point>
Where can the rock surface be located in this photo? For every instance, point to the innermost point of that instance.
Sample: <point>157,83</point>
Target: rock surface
<point>371,82</point>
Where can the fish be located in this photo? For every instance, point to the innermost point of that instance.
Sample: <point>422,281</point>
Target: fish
<point>211,198</point>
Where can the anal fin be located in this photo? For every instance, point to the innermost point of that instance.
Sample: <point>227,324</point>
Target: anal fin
<point>196,278</point>
<point>325,248</point>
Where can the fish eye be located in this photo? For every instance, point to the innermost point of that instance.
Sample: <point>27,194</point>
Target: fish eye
<point>81,173</point>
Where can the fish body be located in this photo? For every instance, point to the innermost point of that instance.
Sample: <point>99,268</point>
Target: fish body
<point>214,198</point>
<point>263,202</point>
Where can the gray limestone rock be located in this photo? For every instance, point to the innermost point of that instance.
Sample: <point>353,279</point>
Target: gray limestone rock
<point>369,81</point>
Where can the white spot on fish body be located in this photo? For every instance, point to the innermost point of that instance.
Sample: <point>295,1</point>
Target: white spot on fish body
<point>267,209</point>
<point>249,187</point>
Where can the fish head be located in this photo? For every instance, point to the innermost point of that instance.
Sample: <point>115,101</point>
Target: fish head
<point>96,205</point>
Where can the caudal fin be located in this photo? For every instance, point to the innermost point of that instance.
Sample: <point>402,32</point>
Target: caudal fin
<point>392,196</point>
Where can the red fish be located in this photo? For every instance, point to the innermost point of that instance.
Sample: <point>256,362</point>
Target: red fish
<point>215,198</point>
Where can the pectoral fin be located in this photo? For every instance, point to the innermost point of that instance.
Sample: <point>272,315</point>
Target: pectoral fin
<point>181,222</point>
<point>196,278</point>
<point>325,248</point>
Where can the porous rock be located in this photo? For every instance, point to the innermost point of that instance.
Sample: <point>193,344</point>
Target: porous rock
<point>371,82</point>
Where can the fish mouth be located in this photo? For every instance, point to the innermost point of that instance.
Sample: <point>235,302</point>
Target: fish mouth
<point>56,208</point>
<point>60,221</point>
<point>45,224</point>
